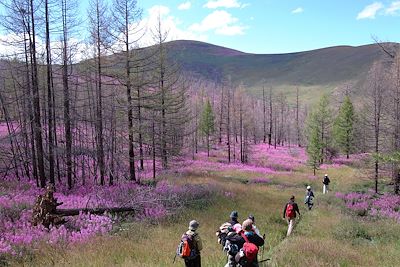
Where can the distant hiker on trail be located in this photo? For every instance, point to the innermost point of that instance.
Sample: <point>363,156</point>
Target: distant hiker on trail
<point>247,256</point>
<point>234,218</point>
<point>190,246</point>
<point>289,212</point>
<point>309,199</point>
<point>325,182</point>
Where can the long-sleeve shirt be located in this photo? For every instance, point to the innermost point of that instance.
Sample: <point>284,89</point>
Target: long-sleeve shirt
<point>296,208</point>
<point>326,180</point>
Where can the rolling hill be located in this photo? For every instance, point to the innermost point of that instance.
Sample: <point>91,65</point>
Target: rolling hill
<point>312,71</point>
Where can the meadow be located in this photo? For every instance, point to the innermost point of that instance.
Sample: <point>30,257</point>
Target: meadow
<point>348,227</point>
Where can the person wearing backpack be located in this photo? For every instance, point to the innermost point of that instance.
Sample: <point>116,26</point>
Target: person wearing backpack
<point>234,242</point>
<point>326,181</point>
<point>289,213</point>
<point>309,199</point>
<point>247,256</point>
<point>231,225</point>
<point>190,246</point>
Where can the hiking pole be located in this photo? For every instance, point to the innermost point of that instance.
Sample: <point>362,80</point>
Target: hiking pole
<point>264,260</point>
<point>262,253</point>
<point>174,259</point>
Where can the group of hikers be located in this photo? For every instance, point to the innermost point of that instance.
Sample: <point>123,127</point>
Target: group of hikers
<point>241,242</point>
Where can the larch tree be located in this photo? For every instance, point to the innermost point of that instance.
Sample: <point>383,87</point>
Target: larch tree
<point>343,127</point>
<point>126,15</point>
<point>207,123</point>
<point>374,102</point>
<point>99,37</point>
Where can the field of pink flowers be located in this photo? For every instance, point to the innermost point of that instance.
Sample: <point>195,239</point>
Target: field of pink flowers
<point>154,203</point>
<point>264,160</point>
<point>386,205</point>
<point>151,204</point>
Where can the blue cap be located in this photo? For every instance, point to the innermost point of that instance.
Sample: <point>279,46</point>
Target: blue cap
<point>234,214</point>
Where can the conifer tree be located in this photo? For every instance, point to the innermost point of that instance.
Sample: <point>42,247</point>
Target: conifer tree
<point>207,124</point>
<point>314,148</point>
<point>317,131</point>
<point>343,128</point>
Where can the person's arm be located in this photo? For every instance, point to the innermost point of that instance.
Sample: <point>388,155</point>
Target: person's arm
<point>199,242</point>
<point>296,208</point>
<point>284,212</point>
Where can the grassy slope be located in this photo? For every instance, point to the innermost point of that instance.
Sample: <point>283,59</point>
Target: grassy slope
<point>327,236</point>
<point>321,67</point>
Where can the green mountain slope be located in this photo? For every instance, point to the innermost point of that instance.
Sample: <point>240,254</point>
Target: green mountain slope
<point>323,68</point>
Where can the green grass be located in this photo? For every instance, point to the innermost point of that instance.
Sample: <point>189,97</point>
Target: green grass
<point>326,236</point>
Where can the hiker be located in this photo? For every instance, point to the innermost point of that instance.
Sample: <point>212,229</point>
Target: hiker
<point>234,218</point>
<point>190,246</point>
<point>247,256</point>
<point>325,182</point>
<point>289,212</point>
<point>309,199</point>
<point>231,225</point>
<point>233,243</point>
<point>255,229</point>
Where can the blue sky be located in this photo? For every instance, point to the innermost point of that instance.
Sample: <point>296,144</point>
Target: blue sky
<point>279,26</point>
<point>270,26</point>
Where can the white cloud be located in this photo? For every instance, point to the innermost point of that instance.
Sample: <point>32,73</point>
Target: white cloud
<point>393,8</point>
<point>221,22</point>
<point>224,3</point>
<point>298,10</point>
<point>169,23</point>
<point>370,11</point>
<point>9,45</point>
<point>185,6</point>
<point>230,30</point>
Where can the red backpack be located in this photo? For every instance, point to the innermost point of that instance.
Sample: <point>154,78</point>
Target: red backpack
<point>290,212</point>
<point>250,250</point>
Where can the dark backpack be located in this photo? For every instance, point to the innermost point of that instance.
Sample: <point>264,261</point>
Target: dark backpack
<point>222,233</point>
<point>185,248</point>
<point>290,212</point>
<point>250,250</point>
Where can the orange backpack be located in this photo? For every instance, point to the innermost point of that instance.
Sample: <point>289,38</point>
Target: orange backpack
<point>185,248</point>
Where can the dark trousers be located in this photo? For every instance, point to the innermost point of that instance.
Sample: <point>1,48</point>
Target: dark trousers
<point>196,262</point>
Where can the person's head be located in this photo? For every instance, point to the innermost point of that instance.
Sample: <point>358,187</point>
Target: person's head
<point>234,215</point>
<point>251,217</point>
<point>326,174</point>
<point>308,188</point>
<point>292,198</point>
<point>193,225</point>
<point>247,225</point>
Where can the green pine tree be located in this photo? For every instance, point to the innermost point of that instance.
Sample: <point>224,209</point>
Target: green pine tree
<point>314,148</point>
<point>343,128</point>
<point>207,124</point>
<point>317,132</point>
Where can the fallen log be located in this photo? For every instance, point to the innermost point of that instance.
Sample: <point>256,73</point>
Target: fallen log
<point>75,212</point>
